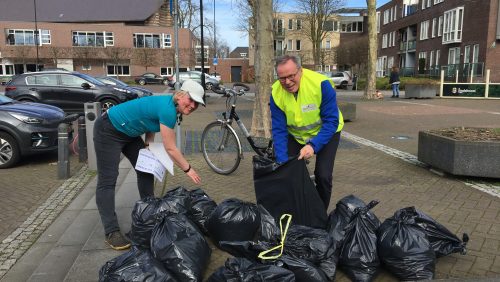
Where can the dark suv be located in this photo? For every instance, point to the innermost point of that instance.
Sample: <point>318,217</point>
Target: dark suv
<point>66,90</point>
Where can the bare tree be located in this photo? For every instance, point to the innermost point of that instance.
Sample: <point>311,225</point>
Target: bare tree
<point>372,50</point>
<point>261,121</point>
<point>146,57</point>
<point>246,19</point>
<point>314,14</point>
<point>188,10</point>
<point>117,55</point>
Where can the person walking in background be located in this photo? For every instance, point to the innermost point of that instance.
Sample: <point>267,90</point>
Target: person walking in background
<point>119,130</point>
<point>394,81</point>
<point>306,120</point>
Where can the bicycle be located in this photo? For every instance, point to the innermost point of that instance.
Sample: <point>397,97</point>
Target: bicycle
<point>220,144</point>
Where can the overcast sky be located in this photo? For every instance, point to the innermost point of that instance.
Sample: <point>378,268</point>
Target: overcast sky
<point>226,19</point>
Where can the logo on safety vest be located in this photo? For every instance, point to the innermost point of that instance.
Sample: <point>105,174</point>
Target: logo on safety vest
<point>309,107</point>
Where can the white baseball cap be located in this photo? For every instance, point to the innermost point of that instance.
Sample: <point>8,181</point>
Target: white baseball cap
<point>195,90</point>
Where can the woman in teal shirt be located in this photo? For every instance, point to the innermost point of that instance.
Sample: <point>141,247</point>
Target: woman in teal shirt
<point>119,130</point>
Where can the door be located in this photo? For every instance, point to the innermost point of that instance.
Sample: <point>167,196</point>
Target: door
<point>72,94</point>
<point>44,87</point>
<point>235,73</point>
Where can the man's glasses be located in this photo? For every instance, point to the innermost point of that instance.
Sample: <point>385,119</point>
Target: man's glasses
<point>290,77</point>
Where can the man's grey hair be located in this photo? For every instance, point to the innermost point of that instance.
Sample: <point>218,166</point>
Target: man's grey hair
<point>285,58</point>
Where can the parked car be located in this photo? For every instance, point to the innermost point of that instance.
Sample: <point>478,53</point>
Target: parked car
<point>66,90</point>
<point>151,78</point>
<point>340,79</point>
<point>141,92</point>
<point>26,128</point>
<point>210,82</point>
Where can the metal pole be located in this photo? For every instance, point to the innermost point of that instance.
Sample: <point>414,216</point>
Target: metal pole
<point>177,86</point>
<point>82,140</point>
<point>202,49</point>
<point>215,42</point>
<point>37,37</point>
<point>62,151</point>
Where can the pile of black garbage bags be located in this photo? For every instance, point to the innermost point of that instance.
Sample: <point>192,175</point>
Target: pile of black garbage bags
<point>169,242</point>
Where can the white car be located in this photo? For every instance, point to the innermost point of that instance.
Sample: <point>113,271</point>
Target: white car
<point>340,79</point>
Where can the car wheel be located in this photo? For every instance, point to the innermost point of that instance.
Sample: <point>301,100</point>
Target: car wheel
<point>107,103</point>
<point>24,99</point>
<point>208,86</point>
<point>142,82</point>
<point>343,85</point>
<point>9,151</point>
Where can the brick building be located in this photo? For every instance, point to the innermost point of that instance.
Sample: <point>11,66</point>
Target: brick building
<point>426,36</point>
<point>113,37</point>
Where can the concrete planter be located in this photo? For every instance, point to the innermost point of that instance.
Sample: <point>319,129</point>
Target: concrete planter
<point>348,110</point>
<point>421,90</point>
<point>469,158</point>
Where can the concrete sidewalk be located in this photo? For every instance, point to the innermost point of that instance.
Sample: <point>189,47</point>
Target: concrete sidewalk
<point>369,164</point>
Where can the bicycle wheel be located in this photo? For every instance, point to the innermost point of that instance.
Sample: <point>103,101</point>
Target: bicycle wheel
<point>221,147</point>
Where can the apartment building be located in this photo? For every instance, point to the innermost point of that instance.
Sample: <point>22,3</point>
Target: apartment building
<point>291,38</point>
<point>427,36</point>
<point>113,37</point>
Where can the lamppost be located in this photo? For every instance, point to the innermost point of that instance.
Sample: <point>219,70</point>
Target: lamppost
<point>215,43</point>
<point>37,37</point>
<point>202,48</point>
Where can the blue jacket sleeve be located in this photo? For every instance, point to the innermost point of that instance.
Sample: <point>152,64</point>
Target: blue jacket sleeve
<point>329,113</point>
<point>280,133</point>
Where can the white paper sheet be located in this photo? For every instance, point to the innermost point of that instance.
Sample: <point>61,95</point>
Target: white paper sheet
<point>160,153</point>
<point>149,163</point>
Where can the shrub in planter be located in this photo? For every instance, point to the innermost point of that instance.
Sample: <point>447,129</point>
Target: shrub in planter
<point>422,88</point>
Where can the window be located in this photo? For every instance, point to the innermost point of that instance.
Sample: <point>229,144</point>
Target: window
<point>424,30</point>
<point>27,37</point>
<point>290,24</point>
<point>290,45</point>
<point>454,56</point>
<point>438,55</point>
<point>72,80</point>
<point>146,40</point>
<point>422,55</point>
<point>347,27</point>
<point>328,26</point>
<point>386,17</point>
<point>109,39</point>
<point>378,22</point>
<point>389,42</point>
<point>409,9</point>
<point>452,32</point>
<point>1,70</point>
<point>438,1</point>
<point>88,39</point>
<point>328,44</point>
<point>475,53</point>
<point>394,13</point>
<point>299,24</point>
<point>86,67</point>
<point>429,2</point>
<point>167,40</point>
<point>297,45</point>
<point>467,54</point>
<point>166,71</point>
<point>9,69</point>
<point>423,4</point>
<point>440,26</point>
<point>434,27</point>
<point>48,79</point>
<point>384,40</point>
<point>336,26</point>
<point>121,70</point>
<point>431,57</point>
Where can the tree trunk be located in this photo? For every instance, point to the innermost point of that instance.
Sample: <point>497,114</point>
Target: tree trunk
<point>261,119</point>
<point>371,86</point>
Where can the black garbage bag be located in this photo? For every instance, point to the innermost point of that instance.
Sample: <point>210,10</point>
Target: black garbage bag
<point>443,242</point>
<point>181,247</point>
<point>135,265</point>
<point>268,231</point>
<point>404,248</point>
<point>342,215</point>
<point>143,220</point>
<point>288,189</point>
<point>241,269</point>
<point>304,270</point>
<point>358,253</point>
<point>177,200</point>
<point>313,245</point>
<point>202,207</point>
<point>233,220</point>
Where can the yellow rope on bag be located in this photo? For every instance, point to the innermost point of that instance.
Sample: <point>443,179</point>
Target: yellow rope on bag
<point>263,254</point>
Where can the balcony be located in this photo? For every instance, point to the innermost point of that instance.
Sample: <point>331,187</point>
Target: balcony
<point>279,33</point>
<point>408,46</point>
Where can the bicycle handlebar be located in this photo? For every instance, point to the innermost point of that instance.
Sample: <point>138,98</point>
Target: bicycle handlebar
<point>219,90</point>
<point>244,86</point>
<point>224,91</point>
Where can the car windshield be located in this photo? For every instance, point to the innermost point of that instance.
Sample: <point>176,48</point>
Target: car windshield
<point>90,79</point>
<point>5,100</point>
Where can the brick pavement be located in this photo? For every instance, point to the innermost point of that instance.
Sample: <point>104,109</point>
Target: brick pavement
<point>370,173</point>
